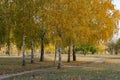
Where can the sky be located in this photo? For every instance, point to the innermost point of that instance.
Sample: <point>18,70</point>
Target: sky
<point>117,6</point>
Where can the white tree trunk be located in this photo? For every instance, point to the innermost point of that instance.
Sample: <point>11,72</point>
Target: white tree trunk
<point>23,58</point>
<point>55,57</point>
<point>59,57</point>
<point>32,52</point>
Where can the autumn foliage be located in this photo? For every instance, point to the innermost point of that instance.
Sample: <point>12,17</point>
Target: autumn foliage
<point>31,23</point>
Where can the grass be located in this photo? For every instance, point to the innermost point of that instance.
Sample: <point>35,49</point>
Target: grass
<point>83,68</point>
<point>104,71</point>
<point>14,65</point>
<point>10,65</point>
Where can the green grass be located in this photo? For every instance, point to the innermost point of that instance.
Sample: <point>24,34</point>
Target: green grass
<point>83,68</point>
<point>104,71</point>
<point>14,65</point>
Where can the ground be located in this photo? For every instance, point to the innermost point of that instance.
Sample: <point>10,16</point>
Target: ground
<point>96,67</point>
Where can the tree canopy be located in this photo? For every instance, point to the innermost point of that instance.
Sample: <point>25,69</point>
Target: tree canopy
<point>64,22</point>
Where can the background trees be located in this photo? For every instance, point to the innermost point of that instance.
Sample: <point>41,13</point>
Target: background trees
<point>2,26</point>
<point>113,47</point>
<point>86,48</point>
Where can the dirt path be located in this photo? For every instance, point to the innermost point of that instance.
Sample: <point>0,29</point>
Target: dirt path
<point>26,72</point>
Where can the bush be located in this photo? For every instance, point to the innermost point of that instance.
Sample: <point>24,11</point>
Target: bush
<point>87,48</point>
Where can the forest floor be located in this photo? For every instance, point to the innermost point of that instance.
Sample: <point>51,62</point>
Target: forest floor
<point>93,67</point>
